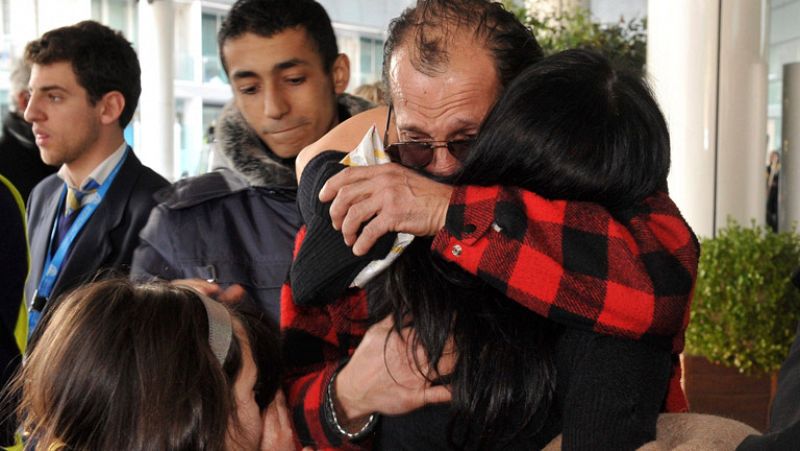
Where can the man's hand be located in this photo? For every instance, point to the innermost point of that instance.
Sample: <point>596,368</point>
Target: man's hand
<point>384,198</point>
<point>382,376</point>
<point>230,295</point>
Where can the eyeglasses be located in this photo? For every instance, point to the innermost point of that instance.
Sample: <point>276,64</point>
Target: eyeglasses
<point>418,154</point>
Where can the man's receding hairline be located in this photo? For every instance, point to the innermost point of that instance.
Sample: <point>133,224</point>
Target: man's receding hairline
<point>443,64</point>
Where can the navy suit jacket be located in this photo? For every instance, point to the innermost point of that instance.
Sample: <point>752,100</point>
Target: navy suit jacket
<point>107,240</point>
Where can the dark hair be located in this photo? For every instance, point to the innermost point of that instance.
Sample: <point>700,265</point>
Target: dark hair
<point>267,18</point>
<point>432,24</point>
<point>124,366</point>
<point>504,377</point>
<point>102,59</point>
<point>572,127</point>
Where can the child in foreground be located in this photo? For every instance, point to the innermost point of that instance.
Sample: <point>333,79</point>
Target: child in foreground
<point>152,366</point>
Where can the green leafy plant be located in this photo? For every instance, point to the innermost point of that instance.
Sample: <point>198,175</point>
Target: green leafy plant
<point>745,308</point>
<point>624,42</point>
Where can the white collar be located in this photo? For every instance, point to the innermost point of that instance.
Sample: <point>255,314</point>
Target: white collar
<point>101,172</point>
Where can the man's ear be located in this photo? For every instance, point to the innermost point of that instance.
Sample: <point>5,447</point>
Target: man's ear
<point>111,106</point>
<point>340,72</point>
<point>22,99</point>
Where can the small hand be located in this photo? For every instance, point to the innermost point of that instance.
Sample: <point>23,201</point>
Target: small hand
<point>384,198</point>
<point>382,376</point>
<point>277,433</point>
<point>230,295</point>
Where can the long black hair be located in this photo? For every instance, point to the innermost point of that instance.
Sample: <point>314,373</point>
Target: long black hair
<point>572,127</point>
<point>569,127</point>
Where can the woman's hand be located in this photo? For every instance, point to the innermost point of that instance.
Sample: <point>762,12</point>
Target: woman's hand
<point>277,433</point>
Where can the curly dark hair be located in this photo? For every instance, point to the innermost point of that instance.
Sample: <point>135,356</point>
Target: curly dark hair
<point>102,59</point>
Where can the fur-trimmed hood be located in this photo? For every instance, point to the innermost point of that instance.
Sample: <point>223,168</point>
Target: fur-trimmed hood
<point>244,152</point>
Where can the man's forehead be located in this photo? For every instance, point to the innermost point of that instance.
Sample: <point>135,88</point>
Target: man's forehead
<point>459,96</point>
<point>251,52</point>
<point>58,74</point>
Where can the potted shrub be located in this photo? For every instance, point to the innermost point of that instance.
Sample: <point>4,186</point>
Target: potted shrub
<point>743,320</point>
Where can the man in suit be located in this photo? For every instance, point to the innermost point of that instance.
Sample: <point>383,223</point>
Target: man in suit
<point>85,83</point>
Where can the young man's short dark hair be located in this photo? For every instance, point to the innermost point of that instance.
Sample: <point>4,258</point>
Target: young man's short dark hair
<point>102,59</point>
<point>269,17</point>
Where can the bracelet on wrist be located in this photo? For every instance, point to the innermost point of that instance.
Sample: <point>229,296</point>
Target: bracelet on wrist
<point>333,419</point>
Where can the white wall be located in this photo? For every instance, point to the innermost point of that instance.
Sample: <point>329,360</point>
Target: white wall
<point>713,93</point>
<point>366,13</point>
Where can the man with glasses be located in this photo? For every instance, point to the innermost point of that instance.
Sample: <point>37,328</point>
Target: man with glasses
<point>446,63</point>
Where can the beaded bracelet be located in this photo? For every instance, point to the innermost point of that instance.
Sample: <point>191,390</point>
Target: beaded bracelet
<point>333,419</point>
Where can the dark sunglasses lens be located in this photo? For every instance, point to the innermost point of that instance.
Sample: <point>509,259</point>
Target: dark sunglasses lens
<point>415,155</point>
<point>460,149</point>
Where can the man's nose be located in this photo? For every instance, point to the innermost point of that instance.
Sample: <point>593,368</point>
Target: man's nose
<point>275,104</point>
<point>32,111</point>
<point>443,162</point>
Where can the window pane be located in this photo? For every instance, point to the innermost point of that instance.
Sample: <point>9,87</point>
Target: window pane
<point>365,66</point>
<point>212,67</point>
<point>117,15</point>
<point>209,32</point>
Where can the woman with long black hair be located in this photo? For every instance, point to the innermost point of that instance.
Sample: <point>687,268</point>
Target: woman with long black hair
<point>585,138</point>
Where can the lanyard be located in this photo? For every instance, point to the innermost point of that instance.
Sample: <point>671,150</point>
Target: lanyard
<point>54,261</point>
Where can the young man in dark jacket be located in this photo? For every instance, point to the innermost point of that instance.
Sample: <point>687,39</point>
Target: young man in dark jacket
<point>231,231</point>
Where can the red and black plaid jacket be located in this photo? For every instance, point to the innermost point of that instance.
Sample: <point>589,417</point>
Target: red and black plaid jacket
<point>572,262</point>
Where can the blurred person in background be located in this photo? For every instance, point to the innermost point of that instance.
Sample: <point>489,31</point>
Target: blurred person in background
<point>19,157</point>
<point>372,92</point>
<point>773,184</point>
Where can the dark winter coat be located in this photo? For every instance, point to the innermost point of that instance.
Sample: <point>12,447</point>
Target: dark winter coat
<point>234,225</point>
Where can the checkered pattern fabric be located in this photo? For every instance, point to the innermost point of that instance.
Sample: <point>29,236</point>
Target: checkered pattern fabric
<point>631,276</point>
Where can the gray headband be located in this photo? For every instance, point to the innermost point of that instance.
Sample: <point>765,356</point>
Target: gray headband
<point>220,328</point>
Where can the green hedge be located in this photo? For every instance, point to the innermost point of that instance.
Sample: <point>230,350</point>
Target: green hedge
<point>745,310</point>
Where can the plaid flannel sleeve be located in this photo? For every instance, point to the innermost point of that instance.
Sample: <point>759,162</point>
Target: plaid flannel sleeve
<point>315,341</point>
<point>629,275</point>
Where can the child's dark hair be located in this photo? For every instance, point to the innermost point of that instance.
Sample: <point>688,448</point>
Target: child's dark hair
<point>129,366</point>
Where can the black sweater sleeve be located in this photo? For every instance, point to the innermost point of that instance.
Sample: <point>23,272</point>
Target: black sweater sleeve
<point>324,265</point>
<point>611,390</point>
